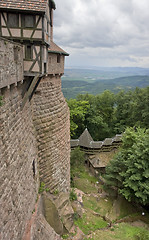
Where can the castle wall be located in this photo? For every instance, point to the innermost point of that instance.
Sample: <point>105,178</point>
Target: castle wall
<point>51,120</point>
<point>55,67</point>
<point>11,63</point>
<point>35,138</point>
<point>18,185</point>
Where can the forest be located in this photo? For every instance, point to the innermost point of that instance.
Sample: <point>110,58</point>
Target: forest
<point>107,114</point>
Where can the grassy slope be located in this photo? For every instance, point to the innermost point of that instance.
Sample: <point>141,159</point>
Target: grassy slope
<point>98,210</point>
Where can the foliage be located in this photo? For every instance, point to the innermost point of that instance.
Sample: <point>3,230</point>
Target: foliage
<point>73,195</point>
<point>129,170</point>
<point>109,113</point>
<point>77,159</point>
<point>78,110</point>
<point>42,187</point>
<point>65,236</point>
<point>56,191</point>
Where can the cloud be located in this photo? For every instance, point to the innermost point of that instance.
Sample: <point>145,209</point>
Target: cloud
<point>103,29</point>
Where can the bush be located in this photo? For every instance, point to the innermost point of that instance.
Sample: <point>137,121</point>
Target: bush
<point>77,157</point>
<point>73,195</point>
<point>42,187</point>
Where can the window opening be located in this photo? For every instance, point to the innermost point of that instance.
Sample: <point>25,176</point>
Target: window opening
<point>45,67</point>
<point>34,171</point>
<point>58,58</point>
<point>15,54</point>
<point>28,21</point>
<point>28,52</point>
<point>13,20</point>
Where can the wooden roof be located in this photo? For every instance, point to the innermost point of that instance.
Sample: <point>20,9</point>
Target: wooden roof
<point>117,138</point>
<point>26,5</point>
<point>107,141</point>
<point>85,139</point>
<point>56,49</point>
<point>96,144</point>
<point>74,142</point>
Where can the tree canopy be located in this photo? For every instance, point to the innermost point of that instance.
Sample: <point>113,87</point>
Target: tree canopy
<point>107,114</point>
<point>129,170</point>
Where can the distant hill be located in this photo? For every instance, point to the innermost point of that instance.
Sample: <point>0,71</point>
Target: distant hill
<point>81,81</point>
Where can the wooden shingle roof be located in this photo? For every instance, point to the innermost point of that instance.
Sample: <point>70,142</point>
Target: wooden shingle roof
<point>74,142</point>
<point>96,144</point>
<point>85,139</point>
<point>26,5</point>
<point>107,142</point>
<point>56,49</point>
<point>117,138</point>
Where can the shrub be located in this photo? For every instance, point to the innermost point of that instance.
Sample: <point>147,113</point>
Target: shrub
<point>73,195</point>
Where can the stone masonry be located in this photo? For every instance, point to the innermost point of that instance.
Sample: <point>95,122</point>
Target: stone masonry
<point>11,63</point>
<point>33,139</point>
<point>18,184</point>
<point>51,120</point>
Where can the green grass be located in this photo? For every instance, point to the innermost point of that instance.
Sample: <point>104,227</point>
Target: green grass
<point>84,181</point>
<point>126,208</point>
<point>122,231</point>
<point>102,206</point>
<point>90,222</point>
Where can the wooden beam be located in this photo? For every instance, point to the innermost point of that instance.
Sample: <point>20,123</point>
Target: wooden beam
<point>29,92</point>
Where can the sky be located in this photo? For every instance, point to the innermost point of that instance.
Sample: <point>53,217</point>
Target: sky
<point>105,33</point>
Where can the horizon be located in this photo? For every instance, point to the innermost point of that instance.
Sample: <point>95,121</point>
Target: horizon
<point>105,33</point>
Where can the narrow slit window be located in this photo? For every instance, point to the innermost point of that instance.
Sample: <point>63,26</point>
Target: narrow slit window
<point>28,52</point>
<point>58,58</point>
<point>34,170</point>
<point>16,54</point>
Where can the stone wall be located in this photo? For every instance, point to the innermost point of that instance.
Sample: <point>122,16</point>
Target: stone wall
<point>32,138</point>
<point>55,67</point>
<point>11,63</point>
<point>51,120</point>
<point>18,184</point>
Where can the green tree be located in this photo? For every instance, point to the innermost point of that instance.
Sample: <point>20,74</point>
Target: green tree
<point>129,170</point>
<point>78,110</point>
<point>99,117</point>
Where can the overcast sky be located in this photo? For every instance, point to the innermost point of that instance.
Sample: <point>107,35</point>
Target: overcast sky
<point>103,32</point>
